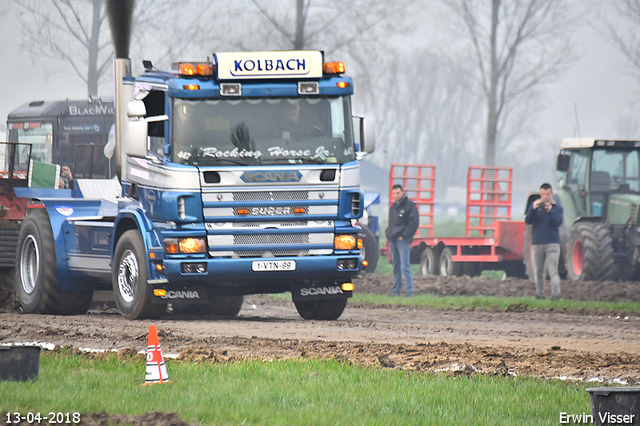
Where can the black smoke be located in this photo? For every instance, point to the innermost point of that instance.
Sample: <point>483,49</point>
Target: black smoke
<point>120,13</point>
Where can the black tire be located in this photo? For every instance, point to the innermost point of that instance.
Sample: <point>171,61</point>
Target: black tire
<point>129,277</point>
<point>325,310</point>
<point>370,250</point>
<point>36,272</point>
<point>589,253</point>
<point>430,262</point>
<point>223,306</point>
<point>449,268</point>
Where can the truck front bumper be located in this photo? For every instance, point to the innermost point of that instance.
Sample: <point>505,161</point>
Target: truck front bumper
<point>267,270</point>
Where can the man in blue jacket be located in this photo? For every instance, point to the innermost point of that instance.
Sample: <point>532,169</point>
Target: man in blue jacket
<point>403,224</point>
<point>546,218</point>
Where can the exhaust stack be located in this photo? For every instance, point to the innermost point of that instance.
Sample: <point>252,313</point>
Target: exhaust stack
<point>120,14</point>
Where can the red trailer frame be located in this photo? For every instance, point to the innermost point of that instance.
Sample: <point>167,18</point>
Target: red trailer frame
<point>492,240</point>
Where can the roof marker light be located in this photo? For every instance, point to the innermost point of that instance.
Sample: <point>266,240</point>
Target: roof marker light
<point>333,67</point>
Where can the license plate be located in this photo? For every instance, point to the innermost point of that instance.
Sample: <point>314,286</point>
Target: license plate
<point>273,265</point>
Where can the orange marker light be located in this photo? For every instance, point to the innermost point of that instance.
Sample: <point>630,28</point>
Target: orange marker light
<point>203,69</point>
<point>243,211</point>
<point>359,243</point>
<point>187,69</point>
<point>159,267</point>
<point>343,84</point>
<point>365,263</point>
<point>347,286</point>
<point>299,210</point>
<point>334,67</point>
<point>191,87</point>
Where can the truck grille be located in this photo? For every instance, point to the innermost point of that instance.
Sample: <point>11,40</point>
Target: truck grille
<point>300,223</point>
<point>276,253</point>
<point>271,196</point>
<point>254,239</point>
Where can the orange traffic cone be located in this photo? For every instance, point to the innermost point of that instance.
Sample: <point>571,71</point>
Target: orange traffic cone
<point>156,370</point>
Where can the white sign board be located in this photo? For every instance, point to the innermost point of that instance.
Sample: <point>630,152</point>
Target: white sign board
<point>285,64</point>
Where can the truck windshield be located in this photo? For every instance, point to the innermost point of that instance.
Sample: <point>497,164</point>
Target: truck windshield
<point>266,130</point>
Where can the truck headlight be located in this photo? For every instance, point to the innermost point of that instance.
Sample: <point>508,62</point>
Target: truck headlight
<point>185,245</point>
<point>345,242</point>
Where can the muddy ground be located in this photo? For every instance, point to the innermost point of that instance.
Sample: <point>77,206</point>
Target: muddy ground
<point>587,345</point>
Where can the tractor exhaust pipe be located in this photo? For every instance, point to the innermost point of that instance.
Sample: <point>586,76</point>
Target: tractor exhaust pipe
<point>120,14</point>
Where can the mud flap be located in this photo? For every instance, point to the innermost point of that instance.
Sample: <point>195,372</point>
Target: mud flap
<point>321,291</point>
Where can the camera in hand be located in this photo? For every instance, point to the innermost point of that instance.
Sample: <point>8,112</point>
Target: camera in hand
<point>542,205</point>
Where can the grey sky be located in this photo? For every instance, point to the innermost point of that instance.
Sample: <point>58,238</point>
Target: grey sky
<point>597,83</point>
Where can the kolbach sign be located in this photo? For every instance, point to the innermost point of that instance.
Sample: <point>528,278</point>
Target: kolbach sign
<point>252,65</point>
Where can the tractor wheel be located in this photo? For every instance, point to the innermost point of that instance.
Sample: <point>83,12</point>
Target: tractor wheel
<point>449,268</point>
<point>37,275</point>
<point>430,262</point>
<point>589,253</point>
<point>370,250</point>
<point>129,271</point>
<point>326,310</point>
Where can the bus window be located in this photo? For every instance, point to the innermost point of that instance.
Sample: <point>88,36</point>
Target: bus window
<point>38,135</point>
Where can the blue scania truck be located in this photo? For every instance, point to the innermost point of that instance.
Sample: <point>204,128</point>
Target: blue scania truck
<point>236,175</point>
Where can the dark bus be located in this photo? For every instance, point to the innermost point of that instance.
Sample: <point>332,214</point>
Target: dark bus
<point>66,133</point>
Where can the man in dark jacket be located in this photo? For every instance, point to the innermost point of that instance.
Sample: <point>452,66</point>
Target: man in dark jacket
<point>546,218</point>
<point>403,224</point>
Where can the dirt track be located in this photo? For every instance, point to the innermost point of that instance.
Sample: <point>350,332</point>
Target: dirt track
<point>543,342</point>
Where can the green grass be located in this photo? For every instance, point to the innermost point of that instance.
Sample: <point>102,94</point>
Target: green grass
<point>293,392</point>
<point>490,302</point>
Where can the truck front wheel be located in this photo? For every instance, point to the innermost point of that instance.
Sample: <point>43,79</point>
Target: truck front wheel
<point>370,250</point>
<point>326,310</point>
<point>129,276</point>
<point>36,272</point>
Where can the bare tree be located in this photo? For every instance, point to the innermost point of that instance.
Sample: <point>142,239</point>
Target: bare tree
<point>76,33</point>
<point>70,31</point>
<point>429,117</point>
<point>516,45</point>
<point>625,33</point>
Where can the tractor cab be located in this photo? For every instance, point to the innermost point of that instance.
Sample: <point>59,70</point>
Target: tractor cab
<point>599,190</point>
<point>601,177</point>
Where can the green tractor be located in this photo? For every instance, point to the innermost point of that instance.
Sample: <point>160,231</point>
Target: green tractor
<point>599,191</point>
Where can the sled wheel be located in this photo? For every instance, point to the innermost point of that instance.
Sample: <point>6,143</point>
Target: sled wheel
<point>449,268</point>
<point>430,262</point>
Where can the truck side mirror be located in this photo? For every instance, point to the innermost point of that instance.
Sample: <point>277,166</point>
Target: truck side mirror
<point>562,163</point>
<point>366,135</point>
<point>136,143</point>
